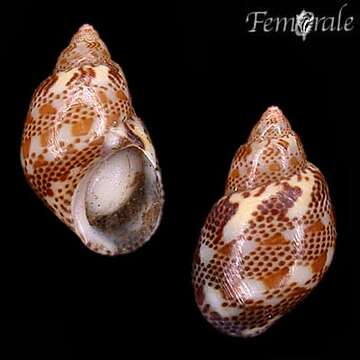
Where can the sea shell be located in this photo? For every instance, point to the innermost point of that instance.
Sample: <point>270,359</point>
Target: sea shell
<point>87,155</point>
<point>269,240</point>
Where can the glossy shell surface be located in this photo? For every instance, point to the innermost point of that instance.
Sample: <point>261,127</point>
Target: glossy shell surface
<point>86,153</point>
<point>269,240</point>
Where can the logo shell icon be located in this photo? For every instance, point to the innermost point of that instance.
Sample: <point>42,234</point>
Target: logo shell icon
<point>304,23</point>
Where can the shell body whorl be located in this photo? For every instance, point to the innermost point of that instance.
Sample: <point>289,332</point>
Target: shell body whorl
<point>269,240</point>
<point>84,148</point>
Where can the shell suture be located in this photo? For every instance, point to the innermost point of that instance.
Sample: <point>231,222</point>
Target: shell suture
<point>269,240</point>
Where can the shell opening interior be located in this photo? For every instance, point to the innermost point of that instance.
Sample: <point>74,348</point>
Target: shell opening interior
<point>118,181</point>
<point>122,203</point>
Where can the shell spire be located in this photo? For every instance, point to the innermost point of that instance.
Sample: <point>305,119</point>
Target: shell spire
<point>85,48</point>
<point>273,150</point>
<point>273,123</point>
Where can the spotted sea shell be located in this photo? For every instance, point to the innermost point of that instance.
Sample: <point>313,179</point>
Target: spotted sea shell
<point>87,155</point>
<point>269,240</point>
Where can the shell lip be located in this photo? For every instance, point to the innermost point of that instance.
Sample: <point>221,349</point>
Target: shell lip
<point>79,212</point>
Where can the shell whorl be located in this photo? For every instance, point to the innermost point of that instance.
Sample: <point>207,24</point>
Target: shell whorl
<point>85,48</point>
<point>269,240</point>
<point>272,152</point>
<point>79,117</point>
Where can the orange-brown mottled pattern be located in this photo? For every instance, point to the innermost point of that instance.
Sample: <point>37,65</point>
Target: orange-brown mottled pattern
<point>281,243</point>
<point>272,151</point>
<point>85,48</point>
<point>70,116</point>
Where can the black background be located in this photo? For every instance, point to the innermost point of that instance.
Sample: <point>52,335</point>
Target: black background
<point>199,81</point>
